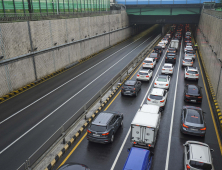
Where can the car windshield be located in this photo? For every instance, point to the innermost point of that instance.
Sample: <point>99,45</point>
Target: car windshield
<point>200,165</point>
<point>142,73</point>
<point>167,67</point>
<point>163,79</point>
<point>98,128</point>
<point>193,116</point>
<point>192,72</point>
<point>155,97</point>
<point>147,61</point>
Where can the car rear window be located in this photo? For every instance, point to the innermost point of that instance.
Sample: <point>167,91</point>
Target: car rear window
<point>156,97</point>
<point>162,79</point>
<point>147,61</point>
<point>129,83</point>
<point>187,60</point>
<point>153,55</point>
<point>98,128</point>
<point>192,72</point>
<point>200,165</point>
<point>171,56</point>
<point>142,73</point>
<point>189,52</point>
<point>193,89</point>
<point>193,116</point>
<point>167,66</point>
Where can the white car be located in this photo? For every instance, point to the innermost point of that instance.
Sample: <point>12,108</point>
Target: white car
<point>191,73</point>
<point>149,63</point>
<point>157,97</point>
<point>162,44</point>
<point>188,48</point>
<point>167,68</point>
<point>190,53</point>
<point>162,81</point>
<point>144,75</point>
<point>165,40</point>
<point>197,156</point>
<point>187,61</point>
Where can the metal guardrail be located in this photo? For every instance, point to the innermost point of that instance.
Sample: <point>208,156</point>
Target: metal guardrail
<point>9,17</point>
<point>98,96</point>
<point>217,14</point>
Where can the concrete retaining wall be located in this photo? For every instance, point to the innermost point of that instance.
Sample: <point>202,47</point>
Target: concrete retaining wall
<point>209,36</point>
<point>15,41</point>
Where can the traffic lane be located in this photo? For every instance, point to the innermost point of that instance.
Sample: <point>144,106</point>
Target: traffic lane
<point>37,92</point>
<point>98,156</point>
<point>49,126</point>
<point>42,108</point>
<point>178,139</point>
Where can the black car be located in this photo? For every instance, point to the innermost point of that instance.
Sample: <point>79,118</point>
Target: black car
<point>155,55</point>
<point>170,58</point>
<point>192,93</point>
<point>73,166</point>
<point>104,126</point>
<point>192,121</point>
<point>172,50</point>
<point>158,49</point>
<point>131,87</point>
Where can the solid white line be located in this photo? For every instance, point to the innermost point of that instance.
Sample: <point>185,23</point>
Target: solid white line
<point>173,111</point>
<point>121,148</point>
<point>69,99</point>
<point>65,83</point>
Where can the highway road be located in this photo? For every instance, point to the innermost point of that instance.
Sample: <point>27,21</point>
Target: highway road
<point>168,152</point>
<point>29,119</point>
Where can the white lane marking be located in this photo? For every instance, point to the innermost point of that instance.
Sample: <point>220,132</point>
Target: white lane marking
<point>65,83</point>
<point>173,111</point>
<point>121,148</point>
<point>69,99</point>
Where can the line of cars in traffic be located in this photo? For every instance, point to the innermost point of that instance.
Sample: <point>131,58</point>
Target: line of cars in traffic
<point>145,125</point>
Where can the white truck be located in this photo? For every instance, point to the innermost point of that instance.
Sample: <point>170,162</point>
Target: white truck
<point>145,126</point>
<point>174,44</point>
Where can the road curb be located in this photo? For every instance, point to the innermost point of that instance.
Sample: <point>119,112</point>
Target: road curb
<point>54,74</point>
<point>212,92</point>
<point>74,138</point>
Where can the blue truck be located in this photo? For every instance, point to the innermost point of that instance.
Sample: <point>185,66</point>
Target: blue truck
<point>138,159</point>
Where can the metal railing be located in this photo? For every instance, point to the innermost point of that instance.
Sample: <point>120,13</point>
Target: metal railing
<point>217,14</point>
<point>98,96</point>
<point>9,17</point>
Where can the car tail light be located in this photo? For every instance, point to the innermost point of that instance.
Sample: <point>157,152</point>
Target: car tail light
<point>138,75</point>
<point>156,58</point>
<point>191,62</point>
<point>144,63</point>
<point>194,55</point>
<point>187,74</point>
<point>89,131</point>
<point>104,134</point>
<point>148,99</point>
<point>185,126</point>
<point>166,57</point>
<point>134,88</point>
<point>188,167</point>
<point>200,97</point>
<point>147,76</point>
<point>187,95</point>
<point>155,83</point>
<point>171,70</point>
<point>174,58</point>
<point>186,54</point>
<point>196,74</point>
<point>167,84</point>
<point>162,101</point>
<point>122,87</point>
<point>203,129</point>
<point>168,51</point>
<point>183,61</point>
<point>151,64</point>
<point>134,142</point>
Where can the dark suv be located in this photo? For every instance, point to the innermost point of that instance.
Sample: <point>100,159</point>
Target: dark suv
<point>155,55</point>
<point>170,58</point>
<point>131,88</point>
<point>104,126</point>
<point>158,49</point>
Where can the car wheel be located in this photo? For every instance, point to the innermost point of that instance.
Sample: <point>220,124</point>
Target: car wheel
<point>112,138</point>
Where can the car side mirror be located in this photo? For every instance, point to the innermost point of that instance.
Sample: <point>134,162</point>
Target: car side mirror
<point>211,150</point>
<point>128,149</point>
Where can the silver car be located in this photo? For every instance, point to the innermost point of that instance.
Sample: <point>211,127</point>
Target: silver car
<point>149,63</point>
<point>162,81</point>
<point>191,73</point>
<point>197,156</point>
<point>167,68</point>
<point>187,61</point>
<point>144,75</point>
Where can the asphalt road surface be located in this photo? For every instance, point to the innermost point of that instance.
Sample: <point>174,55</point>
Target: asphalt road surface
<point>29,119</point>
<point>168,152</point>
